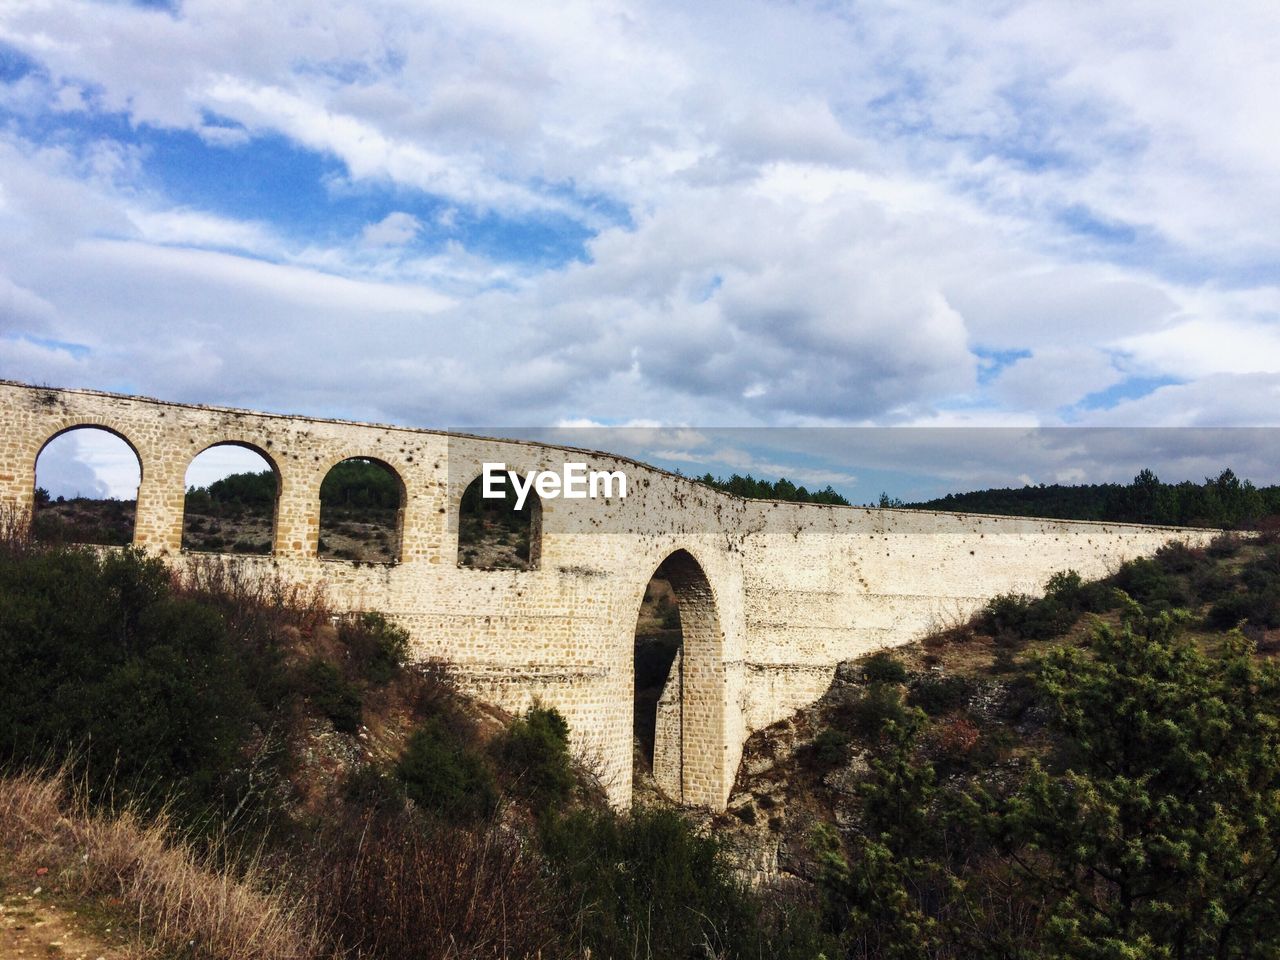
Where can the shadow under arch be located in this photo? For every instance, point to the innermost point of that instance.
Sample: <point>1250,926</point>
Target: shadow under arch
<point>97,527</point>
<point>248,507</point>
<point>689,722</point>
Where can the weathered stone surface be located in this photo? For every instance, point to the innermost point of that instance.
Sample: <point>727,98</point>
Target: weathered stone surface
<point>772,595</point>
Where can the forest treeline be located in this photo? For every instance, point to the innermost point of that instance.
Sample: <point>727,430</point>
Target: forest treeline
<point>353,484</point>
<point>781,489</point>
<point>1224,501</point>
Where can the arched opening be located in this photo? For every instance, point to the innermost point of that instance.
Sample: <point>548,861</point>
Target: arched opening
<point>86,488</point>
<point>657,644</point>
<point>230,505</point>
<point>679,686</point>
<point>493,534</point>
<point>361,512</point>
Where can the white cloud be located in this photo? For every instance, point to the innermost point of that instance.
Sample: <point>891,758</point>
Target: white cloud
<point>812,217</point>
<point>395,229</point>
<point>1055,377</point>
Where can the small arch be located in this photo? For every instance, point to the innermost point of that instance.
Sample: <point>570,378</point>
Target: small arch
<point>232,499</point>
<point>362,503</point>
<point>678,691</point>
<point>493,534</point>
<point>86,483</point>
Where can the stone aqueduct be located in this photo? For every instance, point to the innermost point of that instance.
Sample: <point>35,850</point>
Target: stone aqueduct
<point>772,595</point>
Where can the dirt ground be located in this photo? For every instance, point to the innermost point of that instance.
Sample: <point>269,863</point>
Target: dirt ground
<point>32,924</point>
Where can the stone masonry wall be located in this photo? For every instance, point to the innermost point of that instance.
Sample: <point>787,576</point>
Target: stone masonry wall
<point>772,595</point>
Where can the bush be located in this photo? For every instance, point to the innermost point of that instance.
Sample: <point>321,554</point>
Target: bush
<point>648,885</point>
<point>1259,603</point>
<point>883,667</point>
<point>378,649</point>
<point>368,788</point>
<point>1212,583</point>
<point>1012,617</point>
<point>1150,585</point>
<point>1223,546</point>
<point>871,713</point>
<point>535,754</point>
<point>1230,611</point>
<point>1075,596</point>
<point>936,694</point>
<point>1177,557</point>
<point>99,652</point>
<point>332,695</point>
<point>442,776</point>
<point>830,748</point>
<point>393,890</point>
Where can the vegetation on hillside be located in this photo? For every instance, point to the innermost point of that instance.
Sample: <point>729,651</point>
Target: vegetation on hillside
<point>1090,773</point>
<point>781,489</point>
<point>1224,502</point>
<point>244,777</point>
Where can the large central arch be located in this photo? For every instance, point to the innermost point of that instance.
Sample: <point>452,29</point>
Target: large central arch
<point>689,732</point>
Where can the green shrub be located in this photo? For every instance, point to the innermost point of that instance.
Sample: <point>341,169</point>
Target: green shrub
<point>1230,611</point>
<point>535,754</point>
<point>378,648</point>
<point>368,788</point>
<point>883,667</point>
<point>332,695</point>
<point>874,710</point>
<point>830,748</point>
<point>1258,603</point>
<point>1212,583</point>
<point>443,776</point>
<point>936,694</point>
<point>1223,546</point>
<point>1147,582</point>
<point>98,654</point>
<point>1012,616</point>
<point>648,885</point>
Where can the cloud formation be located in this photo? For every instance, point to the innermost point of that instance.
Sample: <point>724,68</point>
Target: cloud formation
<point>752,213</point>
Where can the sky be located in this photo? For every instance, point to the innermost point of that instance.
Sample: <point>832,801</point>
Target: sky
<point>746,215</point>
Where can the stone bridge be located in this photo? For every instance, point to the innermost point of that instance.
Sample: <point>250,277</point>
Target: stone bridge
<point>772,595</point>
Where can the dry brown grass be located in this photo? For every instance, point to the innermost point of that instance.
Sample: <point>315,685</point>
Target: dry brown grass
<point>398,892</point>
<point>178,900</point>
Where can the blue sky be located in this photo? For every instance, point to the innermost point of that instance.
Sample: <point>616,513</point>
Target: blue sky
<point>744,215</point>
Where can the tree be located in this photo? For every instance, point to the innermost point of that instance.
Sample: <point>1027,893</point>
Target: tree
<point>1154,830</point>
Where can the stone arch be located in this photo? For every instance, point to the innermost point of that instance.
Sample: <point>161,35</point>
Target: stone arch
<point>689,734</point>
<point>493,535</point>
<point>273,509</point>
<point>70,528</point>
<point>383,520</point>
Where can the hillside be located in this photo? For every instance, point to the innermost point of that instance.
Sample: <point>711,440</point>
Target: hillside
<point>1091,773</point>
<point>1057,777</point>
<point>237,773</point>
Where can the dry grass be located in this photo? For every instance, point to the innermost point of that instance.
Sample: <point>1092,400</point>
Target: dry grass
<point>397,892</point>
<point>180,902</point>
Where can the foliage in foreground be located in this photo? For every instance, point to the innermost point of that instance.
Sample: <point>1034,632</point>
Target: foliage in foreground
<point>1150,829</point>
<point>179,698</point>
<point>1145,823</point>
